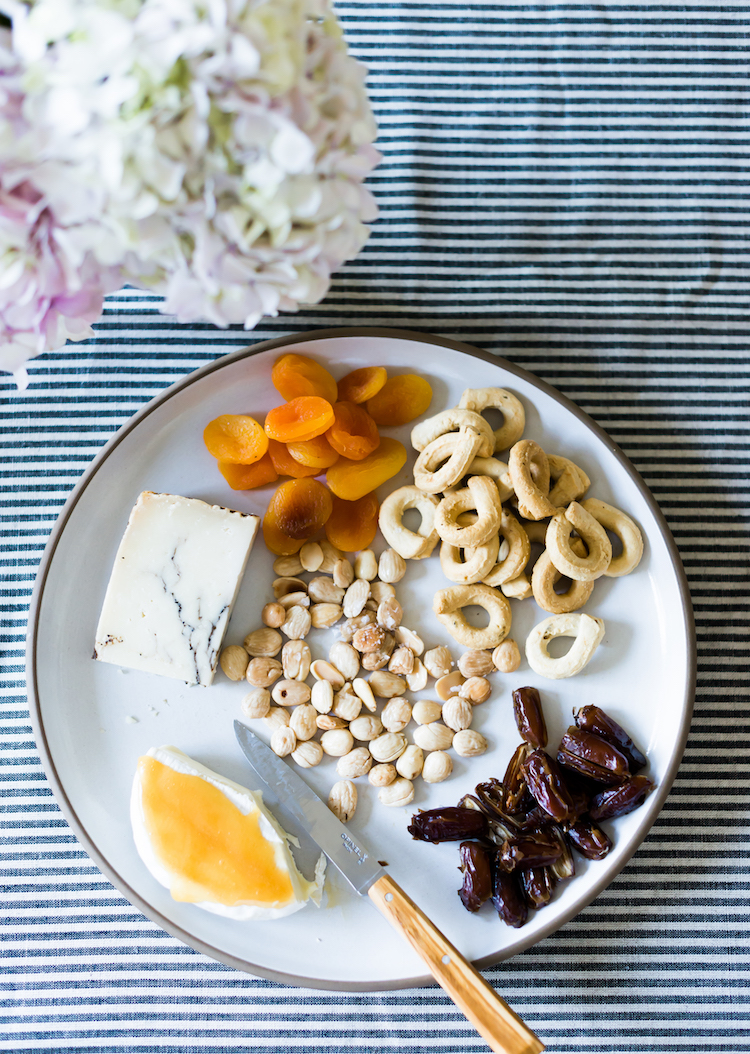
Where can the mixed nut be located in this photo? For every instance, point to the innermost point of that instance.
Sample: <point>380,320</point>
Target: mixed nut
<point>517,835</point>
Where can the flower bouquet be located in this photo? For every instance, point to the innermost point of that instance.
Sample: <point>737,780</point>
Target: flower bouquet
<point>213,152</point>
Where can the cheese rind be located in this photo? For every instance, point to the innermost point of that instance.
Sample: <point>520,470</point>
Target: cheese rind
<point>173,585</point>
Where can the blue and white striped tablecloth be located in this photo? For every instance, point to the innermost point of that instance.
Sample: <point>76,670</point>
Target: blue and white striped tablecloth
<point>566,185</point>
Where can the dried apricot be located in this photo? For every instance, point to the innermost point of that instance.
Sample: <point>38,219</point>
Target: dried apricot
<point>294,375</point>
<point>238,438</point>
<point>353,433</point>
<point>297,511</point>
<point>285,464</point>
<point>315,453</point>
<point>247,477</point>
<point>362,384</point>
<point>353,479</point>
<point>400,400</point>
<point>353,524</point>
<point>302,418</point>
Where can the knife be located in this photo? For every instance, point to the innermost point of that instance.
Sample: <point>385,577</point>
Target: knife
<point>500,1026</point>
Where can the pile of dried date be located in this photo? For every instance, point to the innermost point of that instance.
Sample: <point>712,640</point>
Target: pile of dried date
<point>524,828</point>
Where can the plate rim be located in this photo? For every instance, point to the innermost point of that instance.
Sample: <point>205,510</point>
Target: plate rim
<point>656,800</point>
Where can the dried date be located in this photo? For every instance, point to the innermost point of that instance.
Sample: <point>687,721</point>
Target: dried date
<point>537,884</point>
<point>477,875</point>
<point>527,710</point>
<point>589,840</point>
<point>617,801</point>
<point>529,850</point>
<point>592,757</point>
<point>547,786</point>
<point>515,788</point>
<point>593,719</point>
<point>508,898</point>
<point>449,824</point>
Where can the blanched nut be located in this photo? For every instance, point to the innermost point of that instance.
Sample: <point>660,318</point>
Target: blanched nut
<point>364,691</point>
<point>346,704</point>
<point>357,762</point>
<point>321,696</point>
<point>295,660</point>
<point>298,623</point>
<point>369,638</point>
<point>385,685</point>
<point>283,586</point>
<point>411,545</point>
<point>308,754</point>
<point>625,529</point>
<point>380,591</point>
<point>291,600</point>
<point>526,460</point>
<point>568,482</point>
<point>345,659</point>
<point>256,703</point>
<point>324,671</point>
<point>410,763</point>
<point>446,460</point>
<point>396,715</point>
<point>388,747</point>
<point>389,614</point>
<point>400,792</point>
<point>366,565</point>
<point>391,566</point>
<point>588,632</point>
<point>302,722</point>
<point>356,597</point>
<point>234,661</point>
<point>382,775</point>
<point>290,693</point>
<point>337,742</point>
<point>330,556</point>
<point>378,660</point>
<point>437,767</point>
<point>343,574</point>
<point>410,639</point>
<point>329,723</point>
<point>350,627</point>
<point>287,566</point>
<point>426,711</point>
<point>402,661</point>
<point>323,591</point>
<point>342,801</point>
<point>451,421</point>
<point>506,656</point>
<point>323,616</point>
<point>559,546</point>
<point>311,556</point>
<point>476,663</point>
<point>447,686</point>
<point>263,642</point>
<point>417,679</point>
<point>366,728</point>
<point>545,576</point>
<point>434,736</point>
<point>448,603</point>
<point>458,714</point>
<point>465,566</point>
<point>469,744</point>
<point>273,615</point>
<point>475,690</point>
<point>283,741</point>
<point>263,671</point>
<point>496,470</point>
<point>519,551</point>
<point>514,415</point>
<point>277,717</point>
<point>438,662</point>
<point>480,494</point>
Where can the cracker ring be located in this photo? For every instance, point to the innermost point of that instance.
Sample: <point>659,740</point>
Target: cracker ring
<point>446,460</point>
<point>411,545</point>
<point>518,589</point>
<point>588,632</point>
<point>489,466</point>
<point>544,578</point>
<point>519,551</point>
<point>568,482</point>
<point>447,606</point>
<point>451,421</point>
<point>531,488</point>
<point>476,562</point>
<point>581,568</point>
<point>481,493</point>
<point>622,527</point>
<point>514,415</point>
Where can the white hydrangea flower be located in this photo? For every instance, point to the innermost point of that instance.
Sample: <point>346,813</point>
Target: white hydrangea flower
<point>212,151</point>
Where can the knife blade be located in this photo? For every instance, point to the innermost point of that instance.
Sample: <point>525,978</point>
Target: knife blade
<point>495,1021</point>
<point>348,855</point>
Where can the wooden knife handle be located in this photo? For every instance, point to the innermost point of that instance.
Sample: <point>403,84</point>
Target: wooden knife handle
<point>491,1016</point>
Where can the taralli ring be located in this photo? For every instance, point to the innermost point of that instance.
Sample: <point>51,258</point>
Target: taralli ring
<point>447,606</point>
<point>519,551</point>
<point>531,488</point>
<point>518,589</point>
<point>480,494</point>
<point>544,578</point>
<point>588,632</point>
<point>622,527</point>
<point>514,415</point>
<point>446,460</point>
<point>452,421</point>
<point>568,482</point>
<point>581,568</point>
<point>489,466</point>
<point>411,545</point>
<point>467,566</point>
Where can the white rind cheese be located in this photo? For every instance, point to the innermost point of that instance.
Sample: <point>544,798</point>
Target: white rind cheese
<point>173,585</point>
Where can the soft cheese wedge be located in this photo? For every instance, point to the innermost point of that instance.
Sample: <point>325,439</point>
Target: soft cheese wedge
<point>213,843</point>
<point>173,585</point>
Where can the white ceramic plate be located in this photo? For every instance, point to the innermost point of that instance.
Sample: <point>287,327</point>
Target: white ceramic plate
<point>642,674</point>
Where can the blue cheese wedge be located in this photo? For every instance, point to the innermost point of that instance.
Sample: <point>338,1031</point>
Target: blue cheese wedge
<point>173,585</point>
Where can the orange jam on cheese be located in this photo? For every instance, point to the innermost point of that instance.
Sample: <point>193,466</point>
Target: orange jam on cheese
<point>213,851</point>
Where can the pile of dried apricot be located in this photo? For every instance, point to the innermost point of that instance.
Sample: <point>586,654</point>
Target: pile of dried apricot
<point>324,426</point>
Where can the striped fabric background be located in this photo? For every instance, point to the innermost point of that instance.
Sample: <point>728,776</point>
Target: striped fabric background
<point>565,185</point>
